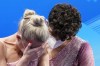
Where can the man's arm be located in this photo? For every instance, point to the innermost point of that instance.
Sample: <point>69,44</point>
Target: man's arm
<point>44,60</point>
<point>86,56</point>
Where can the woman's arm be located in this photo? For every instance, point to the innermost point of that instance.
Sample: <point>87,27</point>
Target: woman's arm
<point>29,55</point>
<point>2,55</point>
<point>23,62</point>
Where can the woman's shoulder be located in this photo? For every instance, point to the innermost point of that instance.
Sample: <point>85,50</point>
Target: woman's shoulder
<point>2,49</point>
<point>1,45</point>
<point>1,42</point>
<point>2,39</point>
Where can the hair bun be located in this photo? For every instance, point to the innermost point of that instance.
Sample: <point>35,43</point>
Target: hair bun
<point>28,13</point>
<point>37,20</point>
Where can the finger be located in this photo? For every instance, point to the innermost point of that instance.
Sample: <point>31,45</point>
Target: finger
<point>44,45</point>
<point>39,49</point>
<point>47,49</point>
<point>28,47</point>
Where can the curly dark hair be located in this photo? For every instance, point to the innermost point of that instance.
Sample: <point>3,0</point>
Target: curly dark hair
<point>65,21</point>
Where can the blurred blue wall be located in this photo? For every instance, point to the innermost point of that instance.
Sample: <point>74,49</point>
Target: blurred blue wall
<point>11,12</point>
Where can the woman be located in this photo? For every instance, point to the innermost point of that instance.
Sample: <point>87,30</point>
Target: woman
<point>25,46</point>
<point>69,50</point>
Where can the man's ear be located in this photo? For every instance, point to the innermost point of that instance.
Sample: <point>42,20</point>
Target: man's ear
<point>18,37</point>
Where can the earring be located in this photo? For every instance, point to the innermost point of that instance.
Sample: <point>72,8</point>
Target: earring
<point>67,37</point>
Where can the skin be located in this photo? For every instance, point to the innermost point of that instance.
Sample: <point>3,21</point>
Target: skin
<point>44,61</point>
<point>13,48</point>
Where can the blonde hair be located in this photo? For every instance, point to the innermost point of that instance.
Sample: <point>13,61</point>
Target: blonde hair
<point>33,27</point>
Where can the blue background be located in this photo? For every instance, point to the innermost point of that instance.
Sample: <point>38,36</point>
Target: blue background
<point>11,12</point>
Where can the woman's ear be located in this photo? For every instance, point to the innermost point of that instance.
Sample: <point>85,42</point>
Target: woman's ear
<point>18,37</point>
